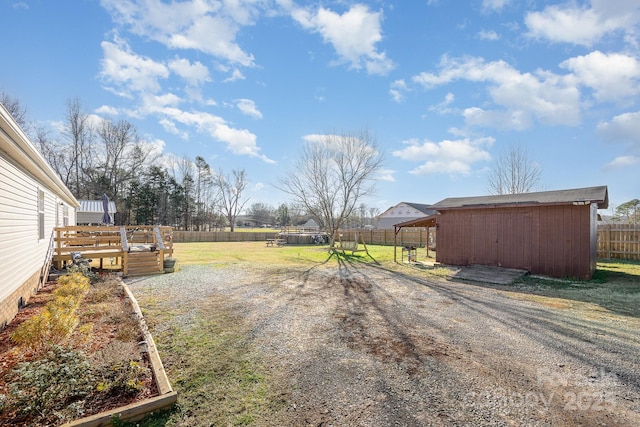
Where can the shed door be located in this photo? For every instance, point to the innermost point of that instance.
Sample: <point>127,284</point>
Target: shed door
<point>514,240</point>
<point>484,237</point>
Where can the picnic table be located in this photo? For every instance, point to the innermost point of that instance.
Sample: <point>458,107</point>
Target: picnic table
<point>276,242</point>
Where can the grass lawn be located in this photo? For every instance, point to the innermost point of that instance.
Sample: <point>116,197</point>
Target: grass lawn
<point>219,374</point>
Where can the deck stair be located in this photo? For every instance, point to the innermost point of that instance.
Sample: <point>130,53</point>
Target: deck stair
<point>142,263</point>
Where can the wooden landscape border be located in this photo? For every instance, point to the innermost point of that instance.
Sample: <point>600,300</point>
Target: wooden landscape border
<point>166,398</point>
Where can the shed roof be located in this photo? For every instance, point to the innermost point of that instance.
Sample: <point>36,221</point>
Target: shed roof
<point>588,195</point>
<point>95,206</point>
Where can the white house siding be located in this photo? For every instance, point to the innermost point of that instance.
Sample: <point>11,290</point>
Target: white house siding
<point>23,173</point>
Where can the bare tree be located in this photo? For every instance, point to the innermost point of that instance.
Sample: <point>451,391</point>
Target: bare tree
<point>514,172</point>
<point>262,213</point>
<point>230,191</point>
<point>16,109</point>
<point>80,135</point>
<point>332,175</point>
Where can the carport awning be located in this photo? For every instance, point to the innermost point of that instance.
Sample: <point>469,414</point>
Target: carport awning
<point>425,221</point>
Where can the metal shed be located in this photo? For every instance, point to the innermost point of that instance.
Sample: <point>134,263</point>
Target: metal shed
<point>553,233</point>
<point>91,212</point>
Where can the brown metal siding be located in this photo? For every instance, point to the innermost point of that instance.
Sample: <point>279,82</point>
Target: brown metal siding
<point>550,240</point>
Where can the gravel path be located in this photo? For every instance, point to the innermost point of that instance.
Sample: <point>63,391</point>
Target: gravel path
<point>366,347</point>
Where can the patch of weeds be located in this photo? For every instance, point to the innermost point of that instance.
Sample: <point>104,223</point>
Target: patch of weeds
<point>124,378</point>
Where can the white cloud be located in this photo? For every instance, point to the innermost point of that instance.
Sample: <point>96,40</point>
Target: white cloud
<point>209,27</point>
<point>445,157</point>
<point>515,119</point>
<point>153,147</point>
<point>583,25</point>
<point>488,35</point>
<point>235,76</point>
<point>248,107</point>
<point>195,74</point>
<point>494,5</point>
<point>238,141</point>
<point>20,5</point>
<point>522,97</point>
<point>398,89</point>
<point>612,76</point>
<point>443,107</point>
<point>386,175</point>
<point>623,162</point>
<point>107,110</point>
<point>130,71</point>
<point>624,127</point>
<point>353,35</point>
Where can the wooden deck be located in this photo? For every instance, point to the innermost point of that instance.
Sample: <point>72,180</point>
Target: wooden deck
<point>140,250</point>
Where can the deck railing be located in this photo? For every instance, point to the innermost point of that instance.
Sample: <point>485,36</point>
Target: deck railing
<point>110,241</point>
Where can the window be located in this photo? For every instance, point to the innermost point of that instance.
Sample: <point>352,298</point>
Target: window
<point>40,214</point>
<point>65,215</point>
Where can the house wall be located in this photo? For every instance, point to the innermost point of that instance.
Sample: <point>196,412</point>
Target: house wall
<point>552,240</point>
<point>33,200</point>
<point>22,251</point>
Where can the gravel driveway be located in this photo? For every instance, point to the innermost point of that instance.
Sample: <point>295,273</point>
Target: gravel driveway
<point>361,346</point>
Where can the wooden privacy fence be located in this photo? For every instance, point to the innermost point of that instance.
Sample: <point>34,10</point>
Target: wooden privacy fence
<point>406,237</point>
<point>620,241</point>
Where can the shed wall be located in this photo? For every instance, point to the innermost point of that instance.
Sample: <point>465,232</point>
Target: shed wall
<point>550,240</point>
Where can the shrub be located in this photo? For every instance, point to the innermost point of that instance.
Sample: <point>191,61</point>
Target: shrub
<point>60,380</point>
<point>58,318</point>
<point>74,284</point>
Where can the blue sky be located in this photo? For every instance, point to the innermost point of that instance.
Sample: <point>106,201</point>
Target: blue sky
<point>445,86</point>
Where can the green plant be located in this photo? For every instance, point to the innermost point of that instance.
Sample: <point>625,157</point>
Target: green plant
<point>60,380</point>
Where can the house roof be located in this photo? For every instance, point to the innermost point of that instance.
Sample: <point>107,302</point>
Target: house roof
<point>17,145</point>
<point>95,206</point>
<point>425,209</point>
<point>421,207</point>
<point>588,195</point>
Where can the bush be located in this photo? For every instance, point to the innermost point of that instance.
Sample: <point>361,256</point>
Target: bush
<point>58,318</point>
<point>74,284</point>
<point>60,380</point>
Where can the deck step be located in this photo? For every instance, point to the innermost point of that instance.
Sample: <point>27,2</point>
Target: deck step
<point>144,263</point>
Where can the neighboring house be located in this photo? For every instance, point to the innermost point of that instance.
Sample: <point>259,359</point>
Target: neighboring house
<point>91,212</point>
<point>33,200</point>
<point>311,224</point>
<point>402,212</point>
<point>553,233</point>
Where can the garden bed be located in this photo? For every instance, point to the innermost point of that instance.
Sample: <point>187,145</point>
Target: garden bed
<point>104,351</point>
